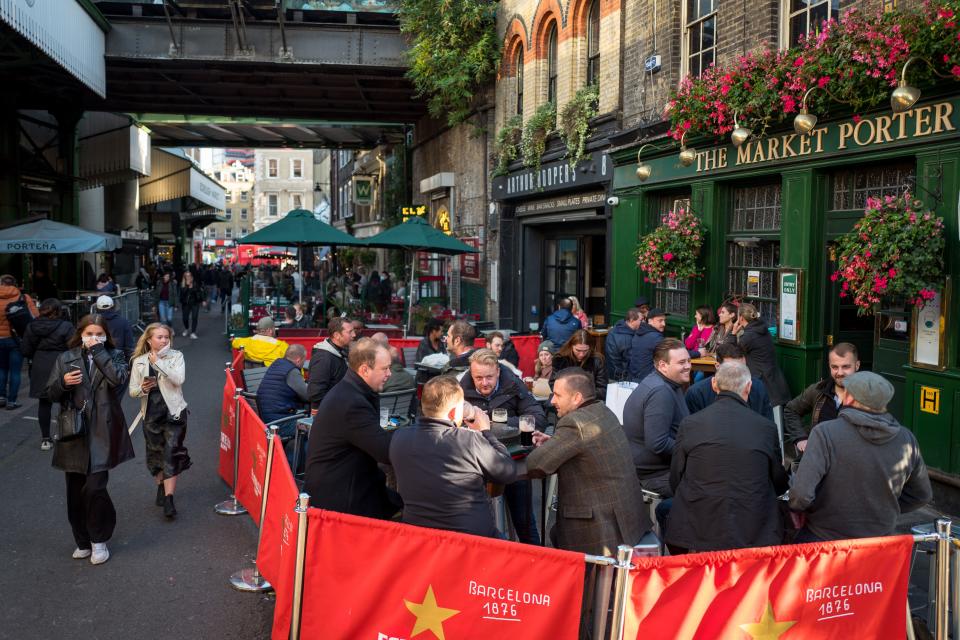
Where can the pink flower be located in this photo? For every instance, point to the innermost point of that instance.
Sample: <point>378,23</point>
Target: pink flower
<point>956,68</point>
<point>856,117</point>
<point>944,12</point>
<point>834,276</point>
<point>822,82</point>
<point>668,256</point>
<point>798,62</point>
<point>892,273</point>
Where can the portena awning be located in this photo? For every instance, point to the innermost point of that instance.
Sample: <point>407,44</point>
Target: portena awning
<point>177,185</point>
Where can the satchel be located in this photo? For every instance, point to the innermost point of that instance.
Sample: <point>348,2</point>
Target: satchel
<point>71,424</point>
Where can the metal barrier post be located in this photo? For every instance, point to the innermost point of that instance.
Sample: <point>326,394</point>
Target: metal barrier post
<point>620,593</point>
<point>943,579</point>
<point>232,507</point>
<point>302,502</point>
<point>601,603</point>
<point>250,579</point>
<point>955,589</point>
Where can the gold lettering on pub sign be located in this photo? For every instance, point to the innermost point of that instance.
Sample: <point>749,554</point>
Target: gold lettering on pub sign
<point>880,129</point>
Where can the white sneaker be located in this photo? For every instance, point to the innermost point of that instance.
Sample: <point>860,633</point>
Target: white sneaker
<point>185,333</point>
<point>46,444</point>
<point>100,553</point>
<point>193,335</point>
<point>80,554</point>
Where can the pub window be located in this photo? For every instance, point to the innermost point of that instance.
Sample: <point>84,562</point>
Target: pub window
<point>673,294</point>
<point>552,63</point>
<point>700,41</point>
<point>753,248</point>
<point>593,44</point>
<point>519,65</point>
<point>804,17</point>
<point>851,187</point>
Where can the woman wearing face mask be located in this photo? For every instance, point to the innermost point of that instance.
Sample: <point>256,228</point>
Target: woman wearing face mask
<point>578,352</point>
<point>157,374</point>
<point>83,380</point>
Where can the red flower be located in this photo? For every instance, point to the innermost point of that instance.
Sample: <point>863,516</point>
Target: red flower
<point>668,256</point>
<point>834,276</point>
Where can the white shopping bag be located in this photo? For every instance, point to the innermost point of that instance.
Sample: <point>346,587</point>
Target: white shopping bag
<point>617,394</point>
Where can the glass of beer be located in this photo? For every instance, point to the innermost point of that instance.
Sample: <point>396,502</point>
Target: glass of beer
<point>529,382</point>
<point>499,415</point>
<point>527,426</point>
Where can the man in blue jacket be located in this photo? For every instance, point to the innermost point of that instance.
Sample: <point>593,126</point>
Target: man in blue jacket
<point>617,345</point>
<point>653,413</point>
<point>560,325</point>
<point>701,395</point>
<point>645,340</point>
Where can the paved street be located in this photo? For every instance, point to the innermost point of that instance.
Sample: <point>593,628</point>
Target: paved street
<point>164,579</point>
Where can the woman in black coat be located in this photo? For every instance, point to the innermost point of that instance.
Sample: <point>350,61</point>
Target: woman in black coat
<point>44,340</point>
<point>757,345</point>
<point>579,352</point>
<point>84,380</point>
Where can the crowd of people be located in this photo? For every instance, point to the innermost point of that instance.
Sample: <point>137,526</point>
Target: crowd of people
<point>85,368</point>
<point>707,452</point>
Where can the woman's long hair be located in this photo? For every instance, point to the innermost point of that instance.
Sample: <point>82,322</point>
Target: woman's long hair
<point>579,337</point>
<point>143,344</point>
<point>94,318</point>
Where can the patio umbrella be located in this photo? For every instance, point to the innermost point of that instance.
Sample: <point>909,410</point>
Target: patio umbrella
<point>416,234</point>
<point>299,228</point>
<point>50,236</point>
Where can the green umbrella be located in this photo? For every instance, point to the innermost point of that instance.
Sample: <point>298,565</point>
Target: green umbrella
<point>416,234</point>
<point>300,228</point>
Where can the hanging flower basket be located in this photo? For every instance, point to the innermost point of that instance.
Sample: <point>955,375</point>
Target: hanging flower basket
<point>894,251</point>
<point>671,250</point>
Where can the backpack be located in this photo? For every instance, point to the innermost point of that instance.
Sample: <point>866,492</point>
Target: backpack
<point>18,315</point>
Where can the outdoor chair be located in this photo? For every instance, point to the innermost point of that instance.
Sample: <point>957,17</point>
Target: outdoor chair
<point>252,377</point>
<point>398,402</point>
<point>409,357</point>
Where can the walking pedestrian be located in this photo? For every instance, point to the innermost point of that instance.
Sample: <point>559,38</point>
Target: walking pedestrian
<point>120,329</point>
<point>44,340</point>
<point>13,302</point>
<point>209,278</point>
<point>225,282</point>
<point>166,293</point>
<point>192,297</point>
<point>157,374</point>
<point>83,381</point>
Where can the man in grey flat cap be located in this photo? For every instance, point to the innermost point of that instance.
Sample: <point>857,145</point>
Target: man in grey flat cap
<point>860,470</point>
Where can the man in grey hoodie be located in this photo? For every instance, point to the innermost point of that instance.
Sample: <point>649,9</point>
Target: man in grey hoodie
<point>859,471</point>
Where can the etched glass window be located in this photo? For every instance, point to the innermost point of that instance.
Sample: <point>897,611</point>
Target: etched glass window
<point>673,294</point>
<point>753,248</point>
<point>851,187</point>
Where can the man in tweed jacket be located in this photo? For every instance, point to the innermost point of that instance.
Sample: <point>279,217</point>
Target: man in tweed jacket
<point>600,501</point>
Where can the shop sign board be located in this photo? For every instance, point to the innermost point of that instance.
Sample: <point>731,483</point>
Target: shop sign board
<point>876,131</point>
<point>928,338</point>
<point>470,262</point>
<point>362,190</point>
<point>562,203</point>
<point>554,176</point>
<point>789,330</point>
<point>412,211</point>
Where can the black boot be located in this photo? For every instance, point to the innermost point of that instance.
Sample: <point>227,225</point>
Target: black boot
<point>159,500</point>
<point>169,510</point>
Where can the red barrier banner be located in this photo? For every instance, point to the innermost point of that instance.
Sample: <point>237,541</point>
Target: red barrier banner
<point>236,363</point>
<point>227,431</point>
<point>279,523</point>
<point>252,461</point>
<point>369,578</point>
<point>836,590</point>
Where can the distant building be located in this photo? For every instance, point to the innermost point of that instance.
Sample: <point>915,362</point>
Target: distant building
<point>283,182</point>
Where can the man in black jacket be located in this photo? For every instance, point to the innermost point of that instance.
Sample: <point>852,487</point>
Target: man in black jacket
<point>328,362</point>
<point>645,341</point>
<point>346,441</point>
<point>488,385</point>
<point>460,337</point>
<point>618,343</point>
<point>442,470</point>
<point>726,473</point>
<point>225,283</point>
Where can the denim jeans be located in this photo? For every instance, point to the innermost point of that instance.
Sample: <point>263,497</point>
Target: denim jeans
<point>519,499</point>
<point>11,362</point>
<point>165,310</point>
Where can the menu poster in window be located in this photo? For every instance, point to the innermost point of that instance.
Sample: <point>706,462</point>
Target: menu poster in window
<point>789,330</point>
<point>753,284</point>
<point>470,262</point>
<point>928,337</point>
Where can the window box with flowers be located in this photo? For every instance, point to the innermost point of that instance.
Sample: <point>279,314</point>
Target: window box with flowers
<point>895,251</point>
<point>670,252</point>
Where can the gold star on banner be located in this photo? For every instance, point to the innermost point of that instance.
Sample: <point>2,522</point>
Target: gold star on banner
<point>430,617</point>
<point>768,628</point>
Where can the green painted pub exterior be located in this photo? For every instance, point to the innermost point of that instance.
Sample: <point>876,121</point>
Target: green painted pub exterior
<point>777,203</point>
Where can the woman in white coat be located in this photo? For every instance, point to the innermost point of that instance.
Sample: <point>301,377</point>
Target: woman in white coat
<point>157,373</point>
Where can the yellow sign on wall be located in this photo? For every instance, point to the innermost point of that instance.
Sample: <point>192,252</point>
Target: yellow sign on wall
<point>930,400</point>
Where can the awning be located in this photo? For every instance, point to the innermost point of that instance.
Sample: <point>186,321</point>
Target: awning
<point>49,236</point>
<point>112,150</point>
<point>173,176</point>
<point>66,33</point>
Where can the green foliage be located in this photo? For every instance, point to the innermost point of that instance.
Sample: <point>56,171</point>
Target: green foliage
<point>507,145</point>
<point>895,250</point>
<point>454,51</point>
<point>534,141</point>
<point>574,122</point>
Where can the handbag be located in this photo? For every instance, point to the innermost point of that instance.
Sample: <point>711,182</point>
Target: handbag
<point>71,424</point>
